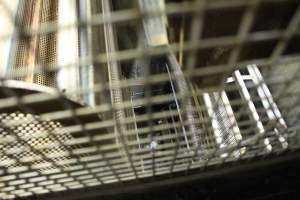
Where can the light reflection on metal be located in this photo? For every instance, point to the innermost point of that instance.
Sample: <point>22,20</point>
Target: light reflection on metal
<point>67,48</point>
<point>268,103</point>
<point>154,25</point>
<point>178,107</point>
<point>247,98</point>
<point>86,74</point>
<point>8,10</point>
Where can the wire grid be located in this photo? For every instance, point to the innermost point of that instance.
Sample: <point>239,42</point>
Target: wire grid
<point>245,105</point>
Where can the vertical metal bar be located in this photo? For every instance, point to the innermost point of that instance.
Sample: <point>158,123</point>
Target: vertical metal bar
<point>265,95</point>
<point>33,44</point>
<point>233,123</point>
<point>244,28</point>
<point>67,48</point>
<point>177,107</point>
<point>211,113</point>
<point>247,98</point>
<point>290,31</point>
<point>250,105</point>
<point>46,55</point>
<point>8,9</point>
<point>86,75</point>
<point>136,130</point>
<point>186,103</point>
<point>154,23</point>
<point>177,143</point>
<point>231,117</point>
<point>114,79</point>
<point>135,125</point>
<point>22,51</point>
<point>196,31</point>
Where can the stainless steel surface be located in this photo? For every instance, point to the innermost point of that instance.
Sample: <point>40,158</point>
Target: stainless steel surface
<point>67,49</point>
<point>239,61</point>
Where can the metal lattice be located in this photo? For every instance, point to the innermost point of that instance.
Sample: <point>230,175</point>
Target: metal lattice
<point>98,92</point>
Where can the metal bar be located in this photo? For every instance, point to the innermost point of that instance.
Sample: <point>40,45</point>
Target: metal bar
<point>116,94</point>
<point>178,108</point>
<point>67,48</point>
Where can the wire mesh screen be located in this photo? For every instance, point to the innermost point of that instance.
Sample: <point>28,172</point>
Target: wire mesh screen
<point>95,92</point>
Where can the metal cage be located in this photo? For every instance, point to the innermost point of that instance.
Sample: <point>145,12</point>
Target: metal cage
<point>96,94</point>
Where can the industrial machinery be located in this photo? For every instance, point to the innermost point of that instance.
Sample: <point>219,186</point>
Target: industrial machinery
<point>127,94</point>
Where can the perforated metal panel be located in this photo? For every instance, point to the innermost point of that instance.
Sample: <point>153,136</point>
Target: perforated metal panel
<point>31,133</point>
<point>47,46</point>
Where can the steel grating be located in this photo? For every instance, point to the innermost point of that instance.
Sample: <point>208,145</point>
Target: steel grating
<point>97,92</point>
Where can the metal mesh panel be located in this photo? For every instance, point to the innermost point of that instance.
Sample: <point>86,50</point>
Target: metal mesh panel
<point>178,88</point>
<point>24,45</point>
<point>47,45</point>
<point>31,133</point>
<point>35,50</point>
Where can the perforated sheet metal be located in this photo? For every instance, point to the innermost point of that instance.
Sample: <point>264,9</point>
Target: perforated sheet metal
<point>33,50</point>
<point>231,94</point>
<point>47,45</point>
<point>31,133</point>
